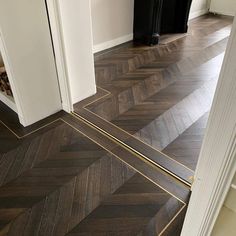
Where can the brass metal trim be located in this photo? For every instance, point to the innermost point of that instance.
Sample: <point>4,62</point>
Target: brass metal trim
<point>79,131</point>
<point>108,94</point>
<point>128,148</point>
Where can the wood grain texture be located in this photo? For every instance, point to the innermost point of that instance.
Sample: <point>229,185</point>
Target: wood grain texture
<point>148,97</point>
<point>10,119</point>
<point>57,176</point>
<point>186,148</point>
<point>129,212</point>
<point>66,177</point>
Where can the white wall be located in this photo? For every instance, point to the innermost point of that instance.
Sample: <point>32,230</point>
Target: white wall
<point>76,28</point>
<point>226,7</point>
<point>27,52</point>
<point>199,7</point>
<point>113,21</point>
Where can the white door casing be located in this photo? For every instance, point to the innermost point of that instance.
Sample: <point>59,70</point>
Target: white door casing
<point>216,166</point>
<point>71,27</point>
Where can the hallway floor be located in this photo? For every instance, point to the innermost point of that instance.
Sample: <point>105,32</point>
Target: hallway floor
<point>63,177</point>
<point>157,99</point>
<point>123,163</point>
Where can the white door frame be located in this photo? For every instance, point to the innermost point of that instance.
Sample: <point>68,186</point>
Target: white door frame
<point>71,27</point>
<point>217,164</point>
<point>59,50</point>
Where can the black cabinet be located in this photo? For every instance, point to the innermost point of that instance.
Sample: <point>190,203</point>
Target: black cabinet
<point>155,17</point>
<point>147,17</point>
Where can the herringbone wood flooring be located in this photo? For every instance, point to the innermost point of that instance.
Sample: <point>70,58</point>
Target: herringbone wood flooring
<point>62,176</point>
<point>57,177</point>
<point>148,97</point>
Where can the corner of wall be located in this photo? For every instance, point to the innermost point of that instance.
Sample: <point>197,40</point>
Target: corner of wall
<point>112,43</point>
<point>198,13</point>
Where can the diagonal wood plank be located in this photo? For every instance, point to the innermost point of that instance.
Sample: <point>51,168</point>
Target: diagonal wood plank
<point>155,94</point>
<point>128,211</point>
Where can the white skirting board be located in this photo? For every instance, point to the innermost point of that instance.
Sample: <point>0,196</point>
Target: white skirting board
<point>126,38</point>
<point>112,43</point>
<point>196,14</point>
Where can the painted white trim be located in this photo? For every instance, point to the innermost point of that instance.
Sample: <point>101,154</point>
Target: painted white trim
<point>196,14</point>
<point>233,186</point>
<point>62,71</point>
<point>112,43</point>
<point>217,161</point>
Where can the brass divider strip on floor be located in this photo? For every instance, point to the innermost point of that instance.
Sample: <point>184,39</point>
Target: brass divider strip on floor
<point>171,221</point>
<point>130,135</point>
<point>81,132</point>
<point>90,125</point>
<point>184,203</point>
<point>31,132</point>
<point>128,148</point>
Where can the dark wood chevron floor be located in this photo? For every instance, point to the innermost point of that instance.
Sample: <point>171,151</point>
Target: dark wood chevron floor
<point>124,163</point>
<point>150,98</point>
<point>66,178</point>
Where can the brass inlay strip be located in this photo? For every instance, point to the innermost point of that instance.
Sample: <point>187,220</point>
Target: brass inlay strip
<point>130,149</point>
<point>108,94</point>
<point>111,137</point>
<point>79,131</point>
<point>23,136</point>
<point>184,203</point>
<point>172,220</point>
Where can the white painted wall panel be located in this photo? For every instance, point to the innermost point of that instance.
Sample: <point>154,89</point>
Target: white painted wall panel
<point>28,50</point>
<point>226,7</point>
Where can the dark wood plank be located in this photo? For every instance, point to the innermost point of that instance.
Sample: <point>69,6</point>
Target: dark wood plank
<point>129,211</point>
<point>10,119</point>
<point>65,176</point>
<point>148,97</point>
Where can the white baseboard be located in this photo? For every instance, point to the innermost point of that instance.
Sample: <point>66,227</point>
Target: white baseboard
<point>112,43</point>
<point>196,14</point>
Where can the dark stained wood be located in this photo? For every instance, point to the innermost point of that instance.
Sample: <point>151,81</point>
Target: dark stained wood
<point>149,170</point>
<point>175,228</point>
<point>66,177</point>
<point>62,182</point>
<point>8,140</point>
<point>157,157</point>
<point>129,212</point>
<point>10,119</point>
<point>55,177</point>
<point>148,97</point>
<point>186,148</point>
